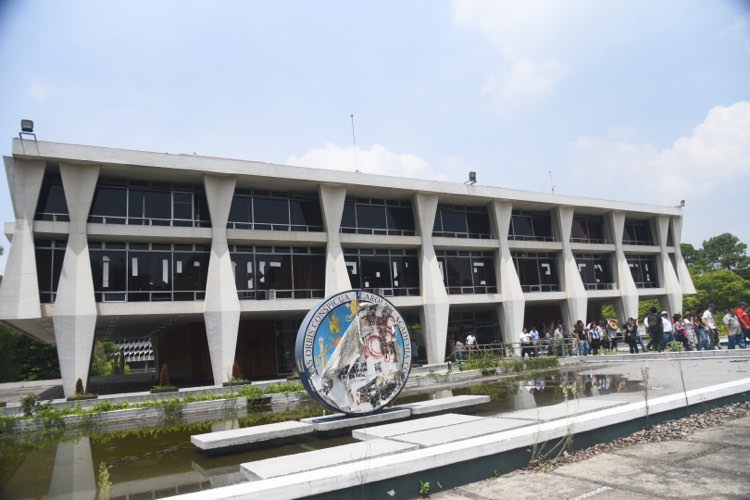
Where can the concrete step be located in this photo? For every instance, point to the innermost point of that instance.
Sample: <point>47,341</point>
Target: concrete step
<point>319,459</point>
<point>250,435</point>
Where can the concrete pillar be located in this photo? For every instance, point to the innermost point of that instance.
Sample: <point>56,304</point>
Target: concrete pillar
<point>19,291</point>
<point>672,301</point>
<point>575,291</point>
<point>74,315</point>
<point>627,303</point>
<point>434,297</point>
<point>73,474</point>
<point>221,313</point>
<point>511,311</point>
<point>332,200</point>
<point>683,275</point>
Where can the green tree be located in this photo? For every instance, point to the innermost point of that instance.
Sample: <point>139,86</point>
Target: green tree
<point>101,358</point>
<point>725,251</point>
<point>691,254</point>
<point>9,368</point>
<point>723,287</point>
<point>37,361</point>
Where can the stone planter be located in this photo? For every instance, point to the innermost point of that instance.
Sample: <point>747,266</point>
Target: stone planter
<point>82,397</point>
<point>161,390</point>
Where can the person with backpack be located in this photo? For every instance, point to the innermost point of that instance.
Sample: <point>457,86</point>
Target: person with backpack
<point>655,328</point>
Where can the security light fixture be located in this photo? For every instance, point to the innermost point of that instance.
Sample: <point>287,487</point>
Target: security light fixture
<point>472,178</point>
<point>682,203</point>
<point>27,128</point>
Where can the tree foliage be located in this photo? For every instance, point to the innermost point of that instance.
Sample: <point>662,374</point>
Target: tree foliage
<point>722,252</point>
<point>724,288</point>
<point>720,270</point>
<point>37,361</point>
<point>103,357</point>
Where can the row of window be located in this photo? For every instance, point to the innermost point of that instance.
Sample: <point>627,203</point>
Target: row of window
<point>137,272</point>
<point>143,203</point>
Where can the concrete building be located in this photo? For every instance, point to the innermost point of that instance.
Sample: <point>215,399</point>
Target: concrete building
<point>217,260</point>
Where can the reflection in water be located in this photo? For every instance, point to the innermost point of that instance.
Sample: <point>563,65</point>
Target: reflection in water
<point>160,462</point>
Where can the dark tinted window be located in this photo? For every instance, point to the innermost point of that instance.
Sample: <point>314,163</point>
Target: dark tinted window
<point>306,213</point>
<point>371,216</point>
<point>271,211</point>
<point>110,201</point>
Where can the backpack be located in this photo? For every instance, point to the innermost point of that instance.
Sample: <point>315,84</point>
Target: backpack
<point>654,322</point>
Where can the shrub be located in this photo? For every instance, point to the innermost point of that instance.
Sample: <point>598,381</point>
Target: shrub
<point>79,386</point>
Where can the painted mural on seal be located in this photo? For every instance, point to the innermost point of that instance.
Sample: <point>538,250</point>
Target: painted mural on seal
<point>353,352</point>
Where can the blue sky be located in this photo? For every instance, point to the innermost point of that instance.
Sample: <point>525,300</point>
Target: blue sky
<point>642,101</point>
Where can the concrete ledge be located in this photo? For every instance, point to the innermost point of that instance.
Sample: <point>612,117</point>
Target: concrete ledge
<point>249,435</point>
<point>445,404</point>
<point>318,459</point>
<point>339,421</point>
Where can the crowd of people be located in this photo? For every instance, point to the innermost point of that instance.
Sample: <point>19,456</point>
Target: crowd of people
<point>695,332</point>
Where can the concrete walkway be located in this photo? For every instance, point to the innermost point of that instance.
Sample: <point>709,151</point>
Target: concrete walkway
<point>711,463</point>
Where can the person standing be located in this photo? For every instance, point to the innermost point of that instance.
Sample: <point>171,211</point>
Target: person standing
<point>680,332</point>
<point>744,320</point>
<point>631,335</point>
<point>655,328</point>
<point>710,325</point>
<point>668,329</point>
<point>595,334</point>
<point>526,346</point>
<point>471,343</point>
<point>559,341</point>
<point>583,338</point>
<point>535,341</point>
<point>735,337</point>
<point>689,323</point>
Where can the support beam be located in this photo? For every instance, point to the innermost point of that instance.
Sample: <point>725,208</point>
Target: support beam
<point>221,313</point>
<point>75,311</point>
<point>19,291</point>
<point>511,311</point>
<point>435,302</point>
<point>332,200</point>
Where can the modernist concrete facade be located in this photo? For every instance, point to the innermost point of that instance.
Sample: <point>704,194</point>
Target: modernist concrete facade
<point>217,260</point>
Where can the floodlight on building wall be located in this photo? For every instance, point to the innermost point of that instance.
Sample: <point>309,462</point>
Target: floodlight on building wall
<point>27,128</point>
<point>472,178</point>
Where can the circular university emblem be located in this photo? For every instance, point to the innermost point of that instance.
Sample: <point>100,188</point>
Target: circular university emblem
<point>353,352</point>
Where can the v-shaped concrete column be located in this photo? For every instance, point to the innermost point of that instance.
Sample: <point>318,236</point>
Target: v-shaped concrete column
<point>686,281</point>
<point>511,311</point>
<point>75,312</point>
<point>19,291</point>
<point>672,301</point>
<point>435,304</point>
<point>221,313</point>
<point>627,304</point>
<point>577,298</point>
<point>332,200</point>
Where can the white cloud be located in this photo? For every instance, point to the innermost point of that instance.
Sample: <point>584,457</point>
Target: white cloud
<point>738,31</point>
<point>40,90</point>
<point>528,36</point>
<point>376,160</point>
<point>525,83</point>
<point>700,166</point>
